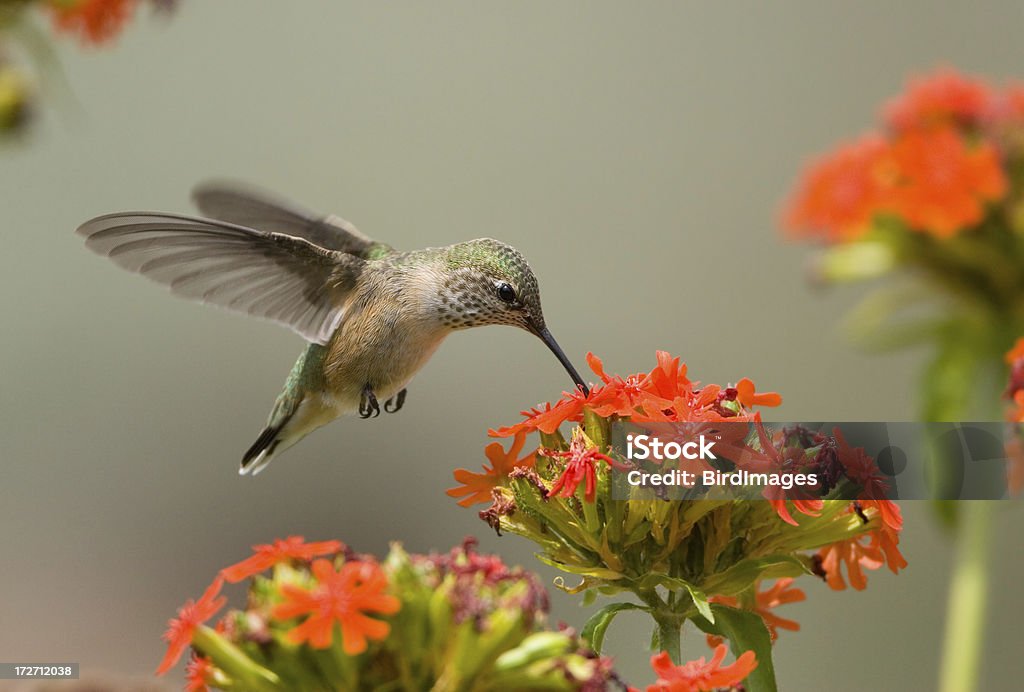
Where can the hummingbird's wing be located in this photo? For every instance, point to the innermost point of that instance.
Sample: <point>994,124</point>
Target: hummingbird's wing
<point>248,206</point>
<point>280,277</point>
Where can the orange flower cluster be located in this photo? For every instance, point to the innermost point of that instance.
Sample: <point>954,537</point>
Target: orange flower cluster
<point>936,168</point>
<point>665,394</point>
<point>325,618</point>
<point>93,21</point>
<point>340,597</point>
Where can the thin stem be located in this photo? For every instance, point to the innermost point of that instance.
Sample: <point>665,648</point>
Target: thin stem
<point>669,630</point>
<point>968,598</point>
<point>669,622</point>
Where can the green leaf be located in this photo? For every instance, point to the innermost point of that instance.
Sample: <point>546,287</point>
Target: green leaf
<point>594,631</point>
<point>745,631</point>
<point>596,572</point>
<point>880,321</point>
<point>740,576</point>
<point>700,599</point>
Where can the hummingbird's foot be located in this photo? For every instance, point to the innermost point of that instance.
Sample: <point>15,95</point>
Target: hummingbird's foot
<point>394,404</point>
<point>368,405</point>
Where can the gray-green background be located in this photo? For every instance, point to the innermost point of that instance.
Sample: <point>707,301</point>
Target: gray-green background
<point>635,152</point>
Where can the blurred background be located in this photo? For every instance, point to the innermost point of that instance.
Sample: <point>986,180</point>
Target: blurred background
<point>637,154</point>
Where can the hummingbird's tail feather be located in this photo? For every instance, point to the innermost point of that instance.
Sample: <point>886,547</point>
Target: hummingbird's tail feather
<point>262,450</point>
<point>296,414</point>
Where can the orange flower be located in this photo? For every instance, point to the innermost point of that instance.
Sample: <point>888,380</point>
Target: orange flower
<point>870,551</point>
<point>95,21</point>
<point>839,194</point>
<point>477,487</point>
<point>1016,353</point>
<point>1017,413</point>
<point>749,398</point>
<point>773,458</point>
<point>621,396</point>
<point>664,394</point>
<point>198,675</point>
<point>548,419</point>
<point>266,556</point>
<point>1015,387</point>
<point>190,616</point>
<point>946,97</point>
<point>701,675</point>
<point>942,183</point>
<point>780,593</point>
<point>342,597</point>
<point>854,555</point>
<point>580,468</point>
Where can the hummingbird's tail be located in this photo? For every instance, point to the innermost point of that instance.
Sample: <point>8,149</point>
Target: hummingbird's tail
<point>296,414</point>
<point>262,451</point>
<point>301,408</point>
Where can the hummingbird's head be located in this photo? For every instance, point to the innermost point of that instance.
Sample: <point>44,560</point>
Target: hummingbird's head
<point>490,282</point>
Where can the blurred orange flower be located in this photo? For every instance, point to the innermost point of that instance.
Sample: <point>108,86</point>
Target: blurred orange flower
<point>190,616</point>
<point>198,674</point>
<point>1016,353</point>
<point>701,675</point>
<point>94,21</point>
<point>839,194</point>
<point>281,550</point>
<point>945,97</point>
<point>942,183</point>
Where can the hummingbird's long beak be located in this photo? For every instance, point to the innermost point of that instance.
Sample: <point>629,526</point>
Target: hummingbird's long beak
<point>550,342</point>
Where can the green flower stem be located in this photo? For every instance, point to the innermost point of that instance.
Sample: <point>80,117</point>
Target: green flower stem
<point>968,597</point>
<point>234,661</point>
<point>669,630</point>
<point>669,623</point>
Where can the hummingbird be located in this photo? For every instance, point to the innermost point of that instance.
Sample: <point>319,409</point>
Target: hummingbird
<point>371,315</point>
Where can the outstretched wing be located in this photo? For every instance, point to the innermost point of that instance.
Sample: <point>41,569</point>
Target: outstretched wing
<point>254,208</point>
<point>275,276</point>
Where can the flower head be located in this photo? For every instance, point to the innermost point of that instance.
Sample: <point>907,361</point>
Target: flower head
<point>870,550</point>
<point>190,616</point>
<point>839,194</point>
<point>342,597</point>
<point>199,674</point>
<point>95,21</point>
<point>581,459</point>
<point>282,550</point>
<point>945,97</point>
<point>477,487</point>
<point>701,675</point>
<point>941,182</point>
<point>460,615</point>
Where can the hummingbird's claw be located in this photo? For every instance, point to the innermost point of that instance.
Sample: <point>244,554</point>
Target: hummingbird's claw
<point>368,405</point>
<point>394,404</point>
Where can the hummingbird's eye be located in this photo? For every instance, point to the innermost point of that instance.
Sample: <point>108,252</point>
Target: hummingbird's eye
<point>506,293</point>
